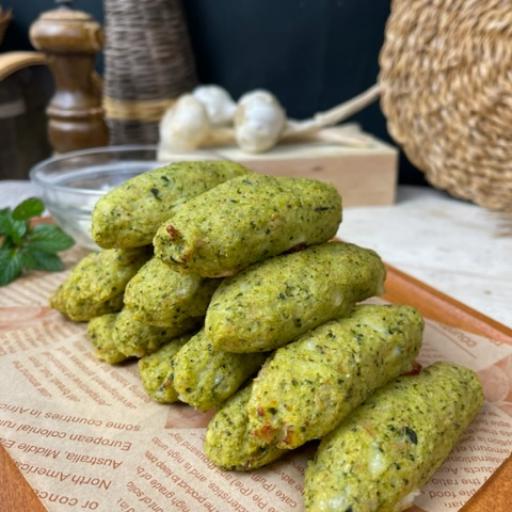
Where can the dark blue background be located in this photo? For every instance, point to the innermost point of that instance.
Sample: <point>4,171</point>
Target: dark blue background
<point>312,54</point>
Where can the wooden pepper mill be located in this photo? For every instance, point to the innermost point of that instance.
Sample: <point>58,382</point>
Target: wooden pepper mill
<point>70,39</point>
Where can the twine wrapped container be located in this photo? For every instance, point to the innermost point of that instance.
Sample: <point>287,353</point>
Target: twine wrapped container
<point>446,90</point>
<point>148,63</point>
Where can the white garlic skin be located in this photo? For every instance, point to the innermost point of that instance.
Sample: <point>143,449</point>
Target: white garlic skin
<point>184,126</point>
<point>218,103</point>
<point>259,121</point>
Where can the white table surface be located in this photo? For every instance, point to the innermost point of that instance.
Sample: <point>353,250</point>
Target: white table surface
<point>453,246</point>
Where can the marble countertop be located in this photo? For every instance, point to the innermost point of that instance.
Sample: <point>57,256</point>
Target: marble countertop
<point>454,246</point>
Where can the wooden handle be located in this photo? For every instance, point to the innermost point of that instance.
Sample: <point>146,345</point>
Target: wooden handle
<point>11,62</point>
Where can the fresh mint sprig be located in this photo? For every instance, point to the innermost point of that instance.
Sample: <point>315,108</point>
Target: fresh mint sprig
<point>24,247</point>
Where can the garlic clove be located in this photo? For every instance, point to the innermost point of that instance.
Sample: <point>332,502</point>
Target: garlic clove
<point>218,103</point>
<point>259,121</point>
<point>185,125</point>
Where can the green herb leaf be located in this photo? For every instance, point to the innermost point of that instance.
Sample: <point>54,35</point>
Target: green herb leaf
<point>5,214</point>
<point>10,265</point>
<point>48,238</point>
<point>31,207</point>
<point>25,248</point>
<point>40,260</point>
<point>12,228</point>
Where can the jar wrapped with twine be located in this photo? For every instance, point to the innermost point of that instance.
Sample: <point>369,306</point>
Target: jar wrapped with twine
<point>148,63</point>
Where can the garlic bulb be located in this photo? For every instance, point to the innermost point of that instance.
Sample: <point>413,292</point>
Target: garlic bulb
<point>199,120</point>
<point>218,103</point>
<point>259,121</point>
<point>185,126</point>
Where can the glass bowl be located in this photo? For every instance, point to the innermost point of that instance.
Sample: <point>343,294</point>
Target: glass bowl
<point>71,183</point>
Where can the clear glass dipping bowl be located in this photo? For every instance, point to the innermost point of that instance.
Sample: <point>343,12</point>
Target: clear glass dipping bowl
<point>71,183</point>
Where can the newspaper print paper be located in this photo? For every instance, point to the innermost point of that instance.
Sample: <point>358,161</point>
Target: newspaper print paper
<point>87,437</point>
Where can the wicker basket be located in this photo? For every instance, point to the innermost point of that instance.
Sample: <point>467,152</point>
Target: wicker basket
<point>148,63</point>
<point>446,82</point>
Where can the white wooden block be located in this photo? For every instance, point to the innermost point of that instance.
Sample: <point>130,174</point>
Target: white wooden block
<point>364,174</point>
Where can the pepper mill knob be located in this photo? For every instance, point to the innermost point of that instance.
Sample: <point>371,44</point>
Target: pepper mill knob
<point>70,39</point>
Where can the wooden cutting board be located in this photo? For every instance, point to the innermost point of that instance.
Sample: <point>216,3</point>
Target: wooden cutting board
<point>495,496</point>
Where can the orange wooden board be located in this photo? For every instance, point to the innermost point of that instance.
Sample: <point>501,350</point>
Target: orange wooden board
<point>495,496</point>
<point>15,493</point>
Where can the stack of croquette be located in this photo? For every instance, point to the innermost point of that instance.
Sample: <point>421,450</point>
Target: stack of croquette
<point>226,286</point>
